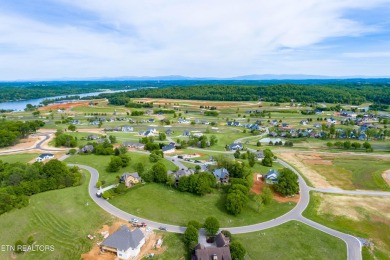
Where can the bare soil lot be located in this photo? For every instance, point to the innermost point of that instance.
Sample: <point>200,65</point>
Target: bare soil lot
<point>258,186</point>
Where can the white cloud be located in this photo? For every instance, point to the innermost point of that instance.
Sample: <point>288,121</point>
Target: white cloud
<point>199,38</point>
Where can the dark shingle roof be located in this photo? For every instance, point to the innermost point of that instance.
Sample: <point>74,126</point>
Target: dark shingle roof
<point>208,253</point>
<point>124,238</point>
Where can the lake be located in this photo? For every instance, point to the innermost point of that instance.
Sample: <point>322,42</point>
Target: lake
<point>21,105</point>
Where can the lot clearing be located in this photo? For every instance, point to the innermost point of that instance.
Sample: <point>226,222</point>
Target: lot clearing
<point>315,178</point>
<point>29,142</point>
<point>386,176</point>
<point>148,248</point>
<point>367,217</point>
<point>341,171</point>
<point>65,106</point>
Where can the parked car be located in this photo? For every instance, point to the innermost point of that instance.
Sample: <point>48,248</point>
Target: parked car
<point>163,228</point>
<point>133,220</point>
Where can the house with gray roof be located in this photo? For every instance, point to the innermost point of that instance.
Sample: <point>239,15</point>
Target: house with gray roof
<point>133,145</point>
<point>170,148</point>
<point>271,177</point>
<point>130,179</point>
<point>235,147</point>
<point>87,149</point>
<point>221,175</point>
<point>125,243</point>
<point>220,252</point>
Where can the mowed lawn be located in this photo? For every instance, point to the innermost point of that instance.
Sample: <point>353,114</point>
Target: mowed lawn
<point>354,172</point>
<point>20,157</point>
<point>365,217</point>
<point>60,218</point>
<point>292,240</point>
<point>161,203</point>
<point>100,163</point>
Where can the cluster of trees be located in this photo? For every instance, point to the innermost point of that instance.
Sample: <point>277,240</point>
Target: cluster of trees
<point>137,113</point>
<point>348,145</point>
<point>237,196</point>
<point>20,180</point>
<point>340,92</point>
<point>198,183</point>
<point>209,107</point>
<point>46,102</point>
<point>268,158</point>
<point>138,105</point>
<point>246,155</point>
<point>149,143</point>
<point>117,162</point>
<point>158,173</point>
<point>12,131</point>
<point>286,143</point>
<point>156,155</point>
<point>287,184</point>
<point>211,113</point>
<point>62,139</point>
<point>195,141</point>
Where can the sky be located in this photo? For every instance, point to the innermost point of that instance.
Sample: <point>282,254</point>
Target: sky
<point>54,39</point>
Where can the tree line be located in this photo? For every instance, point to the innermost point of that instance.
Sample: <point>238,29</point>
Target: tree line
<point>12,131</point>
<point>330,93</point>
<point>21,180</point>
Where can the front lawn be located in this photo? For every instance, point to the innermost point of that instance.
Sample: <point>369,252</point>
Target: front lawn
<point>62,218</point>
<point>292,240</point>
<point>20,157</point>
<point>160,203</point>
<point>100,162</point>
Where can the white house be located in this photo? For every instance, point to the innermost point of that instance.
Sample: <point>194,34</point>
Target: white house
<point>44,156</point>
<point>271,177</point>
<point>197,134</point>
<point>125,243</point>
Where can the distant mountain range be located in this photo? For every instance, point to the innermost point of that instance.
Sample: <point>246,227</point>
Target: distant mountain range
<point>243,77</point>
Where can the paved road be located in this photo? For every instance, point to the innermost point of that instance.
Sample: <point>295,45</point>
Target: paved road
<point>353,245</point>
<point>105,205</point>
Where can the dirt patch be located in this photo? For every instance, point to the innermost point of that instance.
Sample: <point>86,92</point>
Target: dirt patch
<point>355,208</point>
<point>258,186</point>
<point>197,103</point>
<point>315,178</point>
<point>313,159</point>
<point>386,176</point>
<point>149,247</point>
<point>29,142</point>
<point>65,106</point>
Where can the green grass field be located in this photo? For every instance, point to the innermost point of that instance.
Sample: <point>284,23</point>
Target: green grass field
<point>292,240</point>
<point>20,157</point>
<point>160,203</point>
<point>372,225</point>
<point>61,218</point>
<point>354,172</point>
<point>100,162</point>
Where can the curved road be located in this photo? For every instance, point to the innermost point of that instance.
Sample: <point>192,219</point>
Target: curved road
<point>353,244</point>
<point>37,146</point>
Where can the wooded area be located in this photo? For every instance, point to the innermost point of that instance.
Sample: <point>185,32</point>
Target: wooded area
<point>12,131</point>
<point>354,94</point>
